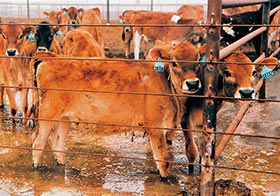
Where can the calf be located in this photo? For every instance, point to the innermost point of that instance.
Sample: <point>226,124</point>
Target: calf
<point>151,113</point>
<point>274,32</point>
<point>80,43</point>
<point>91,17</point>
<point>168,34</point>
<point>233,81</point>
<point>45,38</point>
<point>15,70</point>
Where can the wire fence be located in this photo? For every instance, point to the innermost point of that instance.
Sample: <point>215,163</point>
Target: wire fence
<point>38,14</point>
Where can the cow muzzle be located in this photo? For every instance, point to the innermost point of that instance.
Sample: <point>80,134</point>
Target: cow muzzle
<point>192,85</point>
<point>73,22</point>
<point>248,93</point>
<point>11,52</point>
<point>42,49</point>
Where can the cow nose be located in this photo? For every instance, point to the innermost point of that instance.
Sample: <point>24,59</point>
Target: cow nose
<point>42,49</point>
<point>73,22</point>
<point>246,93</point>
<point>11,52</point>
<point>192,85</point>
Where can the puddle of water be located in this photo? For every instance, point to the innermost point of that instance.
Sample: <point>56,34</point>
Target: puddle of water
<point>92,174</point>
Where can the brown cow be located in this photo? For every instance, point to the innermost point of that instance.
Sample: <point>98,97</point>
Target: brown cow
<point>187,14</point>
<point>3,48</point>
<point>89,17</point>
<point>274,32</point>
<point>80,43</point>
<point>170,35</point>
<point>233,81</point>
<point>147,111</point>
<point>15,70</point>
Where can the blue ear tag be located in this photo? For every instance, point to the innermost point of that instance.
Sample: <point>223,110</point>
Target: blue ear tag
<point>121,21</point>
<point>46,16</point>
<point>159,67</point>
<point>80,13</point>
<point>31,37</point>
<point>65,13</point>
<point>266,72</point>
<point>203,60</point>
<point>58,33</point>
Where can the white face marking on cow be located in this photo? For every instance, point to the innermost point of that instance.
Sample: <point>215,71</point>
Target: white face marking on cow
<point>191,86</point>
<point>137,41</point>
<point>175,18</point>
<point>229,30</point>
<point>245,93</point>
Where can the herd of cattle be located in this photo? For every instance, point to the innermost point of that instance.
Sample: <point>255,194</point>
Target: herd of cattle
<point>75,90</point>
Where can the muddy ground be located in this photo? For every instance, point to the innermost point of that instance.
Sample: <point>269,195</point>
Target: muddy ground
<point>120,164</point>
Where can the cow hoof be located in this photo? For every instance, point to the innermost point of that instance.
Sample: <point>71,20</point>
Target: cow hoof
<point>60,164</point>
<point>164,179</point>
<point>19,116</point>
<point>38,167</point>
<point>30,124</point>
<point>191,169</point>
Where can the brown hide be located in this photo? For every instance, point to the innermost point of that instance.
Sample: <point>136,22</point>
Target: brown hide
<point>274,32</point>
<point>15,70</point>
<point>90,17</point>
<point>235,80</point>
<point>80,43</point>
<point>170,35</point>
<point>126,109</point>
<point>194,13</point>
<point>52,17</point>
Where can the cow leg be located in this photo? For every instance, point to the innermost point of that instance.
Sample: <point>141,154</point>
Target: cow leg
<point>24,105</point>
<point>57,142</point>
<point>1,96</point>
<point>137,42</point>
<point>191,149</point>
<point>40,141</point>
<point>159,147</point>
<point>127,50</point>
<point>11,92</point>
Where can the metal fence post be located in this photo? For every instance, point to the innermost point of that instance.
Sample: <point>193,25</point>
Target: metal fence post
<point>207,145</point>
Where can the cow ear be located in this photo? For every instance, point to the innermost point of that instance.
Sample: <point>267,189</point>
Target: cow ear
<point>81,12</point>
<point>156,53</point>
<point>46,14</point>
<point>97,11</point>
<point>270,62</point>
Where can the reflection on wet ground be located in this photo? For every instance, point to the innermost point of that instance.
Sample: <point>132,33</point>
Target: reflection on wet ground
<point>106,165</point>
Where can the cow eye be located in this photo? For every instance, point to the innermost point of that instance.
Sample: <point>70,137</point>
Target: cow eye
<point>227,73</point>
<point>174,64</point>
<point>254,73</point>
<point>20,36</point>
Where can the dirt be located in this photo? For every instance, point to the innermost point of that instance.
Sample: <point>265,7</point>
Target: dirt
<point>117,165</point>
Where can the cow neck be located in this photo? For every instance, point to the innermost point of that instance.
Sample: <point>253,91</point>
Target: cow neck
<point>179,101</point>
<point>16,67</point>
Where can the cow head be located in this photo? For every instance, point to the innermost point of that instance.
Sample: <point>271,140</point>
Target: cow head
<point>237,80</point>
<point>181,66</point>
<point>53,17</point>
<point>44,36</point>
<point>14,36</point>
<point>73,14</point>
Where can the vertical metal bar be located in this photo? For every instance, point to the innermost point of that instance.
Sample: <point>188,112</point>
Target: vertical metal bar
<point>28,10</point>
<point>264,41</point>
<point>152,5</point>
<point>108,11</point>
<point>207,145</point>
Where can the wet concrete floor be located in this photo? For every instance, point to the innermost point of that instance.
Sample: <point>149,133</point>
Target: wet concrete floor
<point>115,165</point>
